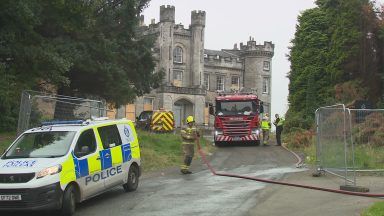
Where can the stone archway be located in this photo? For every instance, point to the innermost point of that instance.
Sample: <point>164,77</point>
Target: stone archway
<point>181,109</point>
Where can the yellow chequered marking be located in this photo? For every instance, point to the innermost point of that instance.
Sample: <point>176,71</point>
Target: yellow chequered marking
<point>135,150</point>
<point>67,173</point>
<point>117,155</point>
<point>94,164</point>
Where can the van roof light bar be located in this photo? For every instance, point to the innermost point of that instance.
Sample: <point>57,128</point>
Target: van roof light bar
<point>60,122</point>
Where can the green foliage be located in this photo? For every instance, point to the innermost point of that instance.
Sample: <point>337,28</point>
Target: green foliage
<point>79,48</point>
<point>5,140</point>
<point>333,58</point>
<point>376,209</point>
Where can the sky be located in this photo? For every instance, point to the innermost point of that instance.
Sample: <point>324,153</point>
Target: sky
<point>229,22</point>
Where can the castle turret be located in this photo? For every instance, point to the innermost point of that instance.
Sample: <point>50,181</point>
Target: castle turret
<point>167,13</point>
<point>166,25</point>
<point>258,69</point>
<point>197,47</point>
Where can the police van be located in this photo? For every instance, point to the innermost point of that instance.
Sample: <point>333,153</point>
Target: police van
<point>63,163</point>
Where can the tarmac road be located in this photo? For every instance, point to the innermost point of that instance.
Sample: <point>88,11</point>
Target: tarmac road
<point>169,193</point>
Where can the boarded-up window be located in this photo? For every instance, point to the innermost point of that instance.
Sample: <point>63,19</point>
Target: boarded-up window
<point>130,112</point>
<point>148,104</point>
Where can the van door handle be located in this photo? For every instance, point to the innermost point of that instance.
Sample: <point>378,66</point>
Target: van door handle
<point>98,158</point>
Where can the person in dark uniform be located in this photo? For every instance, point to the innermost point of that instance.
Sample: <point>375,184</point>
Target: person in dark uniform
<point>279,122</point>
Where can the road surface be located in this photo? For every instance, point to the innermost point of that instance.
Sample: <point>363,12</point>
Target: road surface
<point>170,193</point>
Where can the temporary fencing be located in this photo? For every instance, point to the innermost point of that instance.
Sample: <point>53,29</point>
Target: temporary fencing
<point>37,107</point>
<point>347,139</point>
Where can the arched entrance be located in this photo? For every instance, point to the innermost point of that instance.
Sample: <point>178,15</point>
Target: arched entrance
<point>181,109</point>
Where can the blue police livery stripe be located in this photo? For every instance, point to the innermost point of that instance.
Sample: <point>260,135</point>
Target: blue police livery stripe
<point>84,171</point>
<point>126,151</point>
<point>81,167</point>
<point>106,159</point>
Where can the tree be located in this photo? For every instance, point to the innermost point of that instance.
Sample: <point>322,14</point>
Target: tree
<point>335,43</point>
<point>77,48</point>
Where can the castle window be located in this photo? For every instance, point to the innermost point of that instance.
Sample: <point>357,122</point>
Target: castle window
<point>206,81</point>
<point>235,83</point>
<point>178,75</point>
<point>220,81</point>
<point>177,78</point>
<point>266,65</point>
<point>148,103</point>
<point>178,55</point>
<point>265,85</point>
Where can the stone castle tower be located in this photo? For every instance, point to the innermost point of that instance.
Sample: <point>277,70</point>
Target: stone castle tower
<point>194,74</point>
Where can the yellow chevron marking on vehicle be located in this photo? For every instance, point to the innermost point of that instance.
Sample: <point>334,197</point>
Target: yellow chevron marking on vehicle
<point>162,121</point>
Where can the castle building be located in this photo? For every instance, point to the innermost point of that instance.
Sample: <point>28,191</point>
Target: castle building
<point>194,75</point>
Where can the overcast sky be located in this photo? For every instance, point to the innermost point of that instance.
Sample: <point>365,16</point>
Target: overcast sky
<point>229,22</point>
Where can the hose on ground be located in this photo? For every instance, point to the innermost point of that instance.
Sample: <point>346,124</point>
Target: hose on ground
<point>214,172</point>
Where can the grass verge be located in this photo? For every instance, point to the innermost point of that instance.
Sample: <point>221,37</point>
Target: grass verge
<point>159,151</point>
<point>376,209</point>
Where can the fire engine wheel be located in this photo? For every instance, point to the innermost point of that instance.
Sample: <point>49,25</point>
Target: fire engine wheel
<point>133,179</point>
<point>219,144</point>
<point>257,142</point>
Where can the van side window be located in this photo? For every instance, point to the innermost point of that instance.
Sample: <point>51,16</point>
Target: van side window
<point>110,136</point>
<point>86,144</point>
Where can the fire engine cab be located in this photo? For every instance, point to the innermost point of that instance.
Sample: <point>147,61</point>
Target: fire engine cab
<point>237,118</point>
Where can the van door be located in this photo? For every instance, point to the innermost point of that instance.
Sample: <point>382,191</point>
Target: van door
<point>111,156</point>
<point>86,156</point>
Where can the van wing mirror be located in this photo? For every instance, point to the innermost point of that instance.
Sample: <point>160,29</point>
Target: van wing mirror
<point>211,109</point>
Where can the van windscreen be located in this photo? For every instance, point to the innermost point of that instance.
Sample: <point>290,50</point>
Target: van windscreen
<point>41,145</point>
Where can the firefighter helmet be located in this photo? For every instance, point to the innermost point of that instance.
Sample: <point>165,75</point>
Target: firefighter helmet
<point>190,119</point>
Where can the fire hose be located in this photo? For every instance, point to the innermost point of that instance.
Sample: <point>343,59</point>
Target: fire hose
<point>214,172</point>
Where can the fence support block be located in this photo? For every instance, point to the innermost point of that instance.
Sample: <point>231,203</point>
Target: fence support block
<point>354,188</point>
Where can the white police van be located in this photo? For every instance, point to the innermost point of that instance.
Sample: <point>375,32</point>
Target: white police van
<point>63,163</point>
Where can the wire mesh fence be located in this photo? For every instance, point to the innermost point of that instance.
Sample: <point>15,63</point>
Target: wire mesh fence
<point>367,130</point>
<point>350,141</point>
<point>37,107</point>
<point>334,149</point>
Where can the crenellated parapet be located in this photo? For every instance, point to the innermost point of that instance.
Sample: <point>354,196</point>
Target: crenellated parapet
<point>254,49</point>
<point>167,13</point>
<point>198,18</point>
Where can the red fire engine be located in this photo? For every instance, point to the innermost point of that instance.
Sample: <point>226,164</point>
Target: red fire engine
<point>237,118</point>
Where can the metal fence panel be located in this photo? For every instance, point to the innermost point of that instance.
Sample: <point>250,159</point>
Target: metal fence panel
<point>367,131</point>
<point>37,107</point>
<point>334,148</point>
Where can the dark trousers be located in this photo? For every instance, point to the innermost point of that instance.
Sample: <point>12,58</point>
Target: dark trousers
<point>279,130</point>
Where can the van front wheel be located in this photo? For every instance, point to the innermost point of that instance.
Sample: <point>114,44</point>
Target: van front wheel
<point>133,179</point>
<point>69,201</point>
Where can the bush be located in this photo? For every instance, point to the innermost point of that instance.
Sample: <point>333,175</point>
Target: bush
<point>300,138</point>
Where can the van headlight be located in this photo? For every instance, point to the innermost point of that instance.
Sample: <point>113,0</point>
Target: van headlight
<point>49,171</point>
<point>255,131</point>
<point>218,132</point>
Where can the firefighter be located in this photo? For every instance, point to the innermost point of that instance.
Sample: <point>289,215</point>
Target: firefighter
<point>189,136</point>
<point>265,127</point>
<point>279,122</point>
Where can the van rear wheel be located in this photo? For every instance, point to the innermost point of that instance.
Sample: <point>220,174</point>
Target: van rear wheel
<point>69,201</point>
<point>133,179</point>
